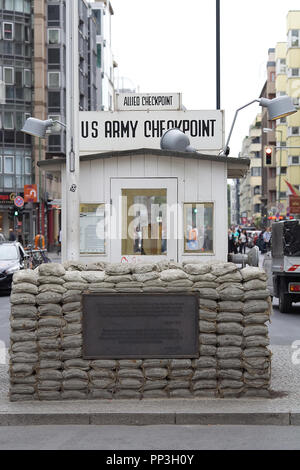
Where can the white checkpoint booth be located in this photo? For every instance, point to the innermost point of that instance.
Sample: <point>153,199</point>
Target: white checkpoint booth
<point>147,205</point>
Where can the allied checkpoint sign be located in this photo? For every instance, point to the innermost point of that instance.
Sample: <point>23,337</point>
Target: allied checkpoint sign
<point>106,131</point>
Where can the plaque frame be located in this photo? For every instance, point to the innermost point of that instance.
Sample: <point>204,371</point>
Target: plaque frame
<point>190,343</point>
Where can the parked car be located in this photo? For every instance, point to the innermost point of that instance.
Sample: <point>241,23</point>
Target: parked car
<point>12,256</point>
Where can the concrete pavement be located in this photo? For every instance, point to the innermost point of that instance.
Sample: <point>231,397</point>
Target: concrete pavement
<point>283,409</point>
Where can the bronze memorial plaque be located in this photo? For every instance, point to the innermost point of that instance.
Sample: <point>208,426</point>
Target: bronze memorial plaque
<point>140,326</point>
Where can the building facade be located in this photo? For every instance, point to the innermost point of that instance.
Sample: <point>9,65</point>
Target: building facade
<point>33,83</point>
<point>250,186</point>
<point>16,152</point>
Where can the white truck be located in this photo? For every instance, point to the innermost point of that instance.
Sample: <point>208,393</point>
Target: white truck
<point>286,263</point>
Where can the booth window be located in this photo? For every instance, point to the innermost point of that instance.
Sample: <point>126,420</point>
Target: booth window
<point>198,227</point>
<point>92,222</point>
<point>144,226</point>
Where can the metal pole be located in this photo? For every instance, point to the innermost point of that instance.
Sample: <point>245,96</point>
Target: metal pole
<point>218,56</point>
<point>40,187</point>
<point>280,162</point>
<point>70,206</point>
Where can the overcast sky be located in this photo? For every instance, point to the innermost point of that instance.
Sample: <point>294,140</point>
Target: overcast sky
<point>169,46</point>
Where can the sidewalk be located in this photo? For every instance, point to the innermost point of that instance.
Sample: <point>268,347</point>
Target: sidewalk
<point>254,411</point>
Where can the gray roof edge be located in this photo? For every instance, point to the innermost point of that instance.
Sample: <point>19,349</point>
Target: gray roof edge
<point>147,151</point>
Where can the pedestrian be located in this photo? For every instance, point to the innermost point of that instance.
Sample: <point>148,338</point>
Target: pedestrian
<point>236,236</point>
<point>230,241</point>
<point>12,236</point>
<point>267,239</point>
<point>261,242</point>
<point>243,241</point>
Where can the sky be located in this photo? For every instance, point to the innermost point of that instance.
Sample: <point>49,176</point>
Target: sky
<point>169,46</point>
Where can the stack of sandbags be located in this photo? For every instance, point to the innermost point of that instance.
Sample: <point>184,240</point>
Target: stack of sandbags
<point>175,278</point>
<point>147,277</point>
<point>204,380</point>
<point>257,309</point>
<point>229,329</point>
<point>23,346</point>
<point>117,277</point>
<point>155,372</point>
<point>129,379</point>
<point>102,378</point>
<point>180,378</point>
<point>49,327</point>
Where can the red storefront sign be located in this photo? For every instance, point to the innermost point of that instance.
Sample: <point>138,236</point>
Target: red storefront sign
<point>294,203</point>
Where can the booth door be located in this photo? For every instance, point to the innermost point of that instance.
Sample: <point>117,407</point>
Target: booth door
<point>143,219</point>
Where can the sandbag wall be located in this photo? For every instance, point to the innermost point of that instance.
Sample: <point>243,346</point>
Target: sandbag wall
<point>46,360</point>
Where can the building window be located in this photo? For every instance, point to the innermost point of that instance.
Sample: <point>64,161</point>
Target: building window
<point>53,15</point>
<point>97,16</point>
<point>19,120</point>
<point>8,31</point>
<point>9,5</point>
<point>53,79</point>
<point>27,78</point>
<point>294,131</point>
<point>19,78</point>
<point>53,36</point>
<point>27,6</point>
<point>198,227</point>
<point>27,33</point>
<point>8,75</point>
<point>19,5</point>
<point>293,37</point>
<point>295,72</point>
<point>54,100</point>
<point>293,160</point>
<point>256,171</point>
<point>54,143</point>
<point>256,208</point>
<point>8,120</point>
<point>8,164</point>
<point>27,166</point>
<point>99,55</point>
<point>92,224</point>
<point>256,190</point>
<point>8,181</point>
<point>18,32</point>
<point>54,56</point>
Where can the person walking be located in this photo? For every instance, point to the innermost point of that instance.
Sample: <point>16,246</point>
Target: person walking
<point>267,239</point>
<point>243,241</point>
<point>230,241</point>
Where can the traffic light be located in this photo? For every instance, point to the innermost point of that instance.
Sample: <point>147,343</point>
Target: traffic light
<point>268,154</point>
<point>16,213</point>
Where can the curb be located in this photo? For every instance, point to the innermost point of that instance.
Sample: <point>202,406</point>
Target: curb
<point>148,419</point>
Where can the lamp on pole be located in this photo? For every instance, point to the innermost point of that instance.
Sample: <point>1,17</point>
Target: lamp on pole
<point>277,108</point>
<point>38,128</point>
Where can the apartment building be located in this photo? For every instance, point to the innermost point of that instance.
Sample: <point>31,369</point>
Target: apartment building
<point>250,186</point>
<point>16,153</point>
<point>33,69</point>
<point>102,12</point>
<point>287,57</point>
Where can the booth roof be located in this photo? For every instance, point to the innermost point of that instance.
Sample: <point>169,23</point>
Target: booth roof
<point>236,167</point>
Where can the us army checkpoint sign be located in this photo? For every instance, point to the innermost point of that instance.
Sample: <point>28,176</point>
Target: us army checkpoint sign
<point>112,131</point>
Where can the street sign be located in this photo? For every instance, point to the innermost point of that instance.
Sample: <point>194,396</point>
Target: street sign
<point>19,201</point>
<point>30,193</point>
<point>150,101</point>
<point>112,131</point>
